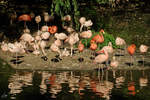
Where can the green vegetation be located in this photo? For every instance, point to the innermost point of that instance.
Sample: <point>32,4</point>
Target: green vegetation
<point>107,38</point>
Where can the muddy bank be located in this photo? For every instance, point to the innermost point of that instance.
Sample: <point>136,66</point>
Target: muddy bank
<point>32,62</point>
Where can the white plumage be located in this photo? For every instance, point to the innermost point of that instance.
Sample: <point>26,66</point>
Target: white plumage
<point>143,48</point>
<point>119,41</point>
<point>45,35</point>
<point>60,36</point>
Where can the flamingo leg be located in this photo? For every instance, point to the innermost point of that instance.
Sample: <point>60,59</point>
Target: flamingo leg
<point>131,57</point>
<point>71,50</point>
<point>120,51</point>
<point>81,27</point>
<point>43,52</point>
<point>25,25</point>
<point>98,71</point>
<point>102,73</point>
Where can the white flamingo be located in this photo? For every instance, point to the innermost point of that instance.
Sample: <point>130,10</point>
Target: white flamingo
<point>46,17</point>
<point>60,36</point>
<point>143,49</point>
<point>38,20</point>
<point>72,39</point>
<point>120,42</point>
<point>45,35</point>
<point>82,21</point>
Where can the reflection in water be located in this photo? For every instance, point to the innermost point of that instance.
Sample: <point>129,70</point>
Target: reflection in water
<point>17,81</point>
<point>69,85</point>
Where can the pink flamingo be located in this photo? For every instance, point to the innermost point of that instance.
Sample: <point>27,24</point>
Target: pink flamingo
<point>101,58</point>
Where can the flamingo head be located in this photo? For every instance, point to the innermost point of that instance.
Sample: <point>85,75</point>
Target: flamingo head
<point>133,46</point>
<point>101,31</point>
<point>101,51</point>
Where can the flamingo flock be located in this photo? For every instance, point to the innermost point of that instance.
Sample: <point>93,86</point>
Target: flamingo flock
<point>39,40</point>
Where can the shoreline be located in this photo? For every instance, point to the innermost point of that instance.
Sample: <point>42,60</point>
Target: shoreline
<point>33,62</point>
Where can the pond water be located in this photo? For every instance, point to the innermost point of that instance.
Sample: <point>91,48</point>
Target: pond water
<point>74,85</point>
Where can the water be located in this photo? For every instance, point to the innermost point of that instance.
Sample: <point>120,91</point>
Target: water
<point>75,85</point>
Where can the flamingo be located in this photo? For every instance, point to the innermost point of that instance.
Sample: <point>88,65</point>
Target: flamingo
<point>60,36</point>
<point>27,38</point>
<point>99,38</point>
<point>72,39</point>
<point>45,35</point>
<point>66,18</point>
<point>14,48</point>
<point>143,49</point>
<point>120,42</point>
<point>86,34</point>
<point>70,29</point>
<point>82,21</point>
<point>57,42</point>
<point>38,20</point>
<point>44,28</point>
<point>108,48</point>
<point>25,18</point>
<point>114,64</point>
<point>55,46</point>
<point>42,45</point>
<point>46,17</point>
<point>88,23</point>
<point>101,58</point>
<point>131,50</point>
<point>65,52</point>
<point>26,30</point>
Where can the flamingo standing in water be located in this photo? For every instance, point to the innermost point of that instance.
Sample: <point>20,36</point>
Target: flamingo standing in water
<point>143,49</point>
<point>131,50</point>
<point>101,58</point>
